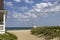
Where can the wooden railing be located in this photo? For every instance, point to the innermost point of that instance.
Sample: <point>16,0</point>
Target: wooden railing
<point>1,27</point>
<point>1,23</point>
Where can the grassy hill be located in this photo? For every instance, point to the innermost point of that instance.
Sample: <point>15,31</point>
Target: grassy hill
<point>7,36</point>
<point>49,32</point>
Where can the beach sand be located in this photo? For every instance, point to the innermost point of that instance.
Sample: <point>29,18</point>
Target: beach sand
<point>24,35</point>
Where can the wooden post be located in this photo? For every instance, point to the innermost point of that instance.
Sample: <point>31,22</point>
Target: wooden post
<point>4,22</point>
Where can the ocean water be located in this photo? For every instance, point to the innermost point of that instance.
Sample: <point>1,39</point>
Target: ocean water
<point>18,28</point>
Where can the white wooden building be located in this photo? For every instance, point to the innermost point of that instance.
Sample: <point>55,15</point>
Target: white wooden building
<point>3,14</point>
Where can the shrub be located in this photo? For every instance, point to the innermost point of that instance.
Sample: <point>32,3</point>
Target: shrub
<point>7,36</point>
<point>48,32</point>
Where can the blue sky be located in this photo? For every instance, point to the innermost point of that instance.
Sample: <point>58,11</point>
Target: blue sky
<point>27,13</point>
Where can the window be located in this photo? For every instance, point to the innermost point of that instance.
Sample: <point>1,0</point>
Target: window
<point>1,17</point>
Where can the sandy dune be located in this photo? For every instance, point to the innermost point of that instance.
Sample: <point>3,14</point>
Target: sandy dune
<point>24,35</point>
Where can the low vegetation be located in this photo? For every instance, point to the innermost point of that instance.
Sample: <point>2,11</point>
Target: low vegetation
<point>49,32</point>
<point>7,36</point>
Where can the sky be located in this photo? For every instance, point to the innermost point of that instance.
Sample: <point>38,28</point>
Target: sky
<point>27,13</point>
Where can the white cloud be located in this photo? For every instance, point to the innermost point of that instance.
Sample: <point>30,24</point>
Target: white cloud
<point>29,1</point>
<point>53,9</point>
<point>23,17</point>
<point>32,15</point>
<point>43,15</point>
<point>26,15</point>
<point>19,15</point>
<point>9,4</point>
<point>44,9</point>
<point>38,7</point>
<point>23,8</point>
<point>17,0</point>
<point>41,9</point>
<point>42,5</point>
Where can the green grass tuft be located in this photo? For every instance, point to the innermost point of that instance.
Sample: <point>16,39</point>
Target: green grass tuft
<point>8,36</point>
<point>49,32</point>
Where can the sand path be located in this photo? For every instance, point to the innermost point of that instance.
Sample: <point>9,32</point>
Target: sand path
<point>24,35</point>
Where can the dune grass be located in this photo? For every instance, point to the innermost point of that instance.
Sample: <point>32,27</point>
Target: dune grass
<point>8,36</point>
<point>49,32</point>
